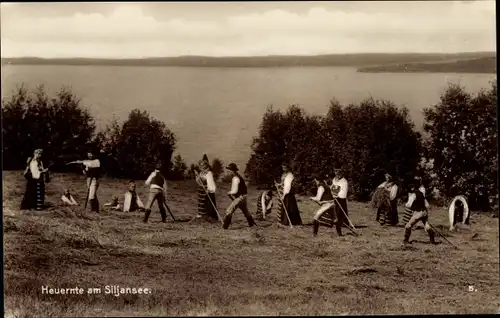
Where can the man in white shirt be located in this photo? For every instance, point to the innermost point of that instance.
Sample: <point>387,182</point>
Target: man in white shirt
<point>132,201</point>
<point>238,195</point>
<point>92,170</point>
<point>339,188</point>
<point>418,206</point>
<point>157,189</point>
<point>326,213</point>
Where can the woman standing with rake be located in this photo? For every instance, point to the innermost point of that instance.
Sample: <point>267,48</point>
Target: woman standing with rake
<point>207,206</point>
<point>288,208</point>
<point>34,197</point>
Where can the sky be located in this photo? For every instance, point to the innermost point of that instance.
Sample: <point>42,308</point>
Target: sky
<point>156,29</point>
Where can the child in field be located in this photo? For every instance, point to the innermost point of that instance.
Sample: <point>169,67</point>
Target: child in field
<point>113,205</point>
<point>67,198</point>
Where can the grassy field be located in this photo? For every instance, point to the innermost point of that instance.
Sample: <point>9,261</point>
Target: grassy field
<point>201,269</point>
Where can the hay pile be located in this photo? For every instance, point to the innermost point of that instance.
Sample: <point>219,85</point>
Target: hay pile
<point>380,199</point>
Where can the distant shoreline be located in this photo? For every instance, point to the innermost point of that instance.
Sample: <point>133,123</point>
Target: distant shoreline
<point>372,62</point>
<point>484,65</point>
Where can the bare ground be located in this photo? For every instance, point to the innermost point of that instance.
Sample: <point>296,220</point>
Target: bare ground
<point>201,269</point>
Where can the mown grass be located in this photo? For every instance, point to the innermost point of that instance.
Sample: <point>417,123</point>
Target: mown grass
<point>201,269</point>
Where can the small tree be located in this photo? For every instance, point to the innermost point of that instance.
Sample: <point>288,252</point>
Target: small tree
<point>138,145</point>
<point>217,168</point>
<point>179,169</point>
<point>191,172</point>
<point>59,125</point>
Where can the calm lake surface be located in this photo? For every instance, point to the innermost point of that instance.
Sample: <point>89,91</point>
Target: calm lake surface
<point>218,110</point>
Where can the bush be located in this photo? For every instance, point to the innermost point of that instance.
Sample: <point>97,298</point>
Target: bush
<point>217,168</point>
<point>179,169</point>
<point>191,172</point>
<point>59,125</point>
<point>134,148</point>
<point>461,148</point>
<point>364,139</point>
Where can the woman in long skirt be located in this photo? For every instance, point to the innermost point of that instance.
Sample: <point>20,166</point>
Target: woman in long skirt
<point>34,197</point>
<point>206,193</point>
<point>287,193</point>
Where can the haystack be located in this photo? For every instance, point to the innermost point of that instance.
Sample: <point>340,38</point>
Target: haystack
<point>380,198</point>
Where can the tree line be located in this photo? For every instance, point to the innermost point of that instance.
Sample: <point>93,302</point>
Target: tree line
<point>456,154</point>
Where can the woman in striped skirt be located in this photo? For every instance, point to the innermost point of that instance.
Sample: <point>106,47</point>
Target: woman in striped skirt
<point>34,197</point>
<point>206,193</point>
<point>264,204</point>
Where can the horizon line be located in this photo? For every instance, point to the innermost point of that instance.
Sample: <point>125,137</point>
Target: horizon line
<point>249,56</point>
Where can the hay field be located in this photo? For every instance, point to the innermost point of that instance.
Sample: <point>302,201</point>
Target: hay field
<point>201,269</point>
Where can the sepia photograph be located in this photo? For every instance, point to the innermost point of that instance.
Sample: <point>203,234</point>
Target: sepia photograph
<point>288,158</point>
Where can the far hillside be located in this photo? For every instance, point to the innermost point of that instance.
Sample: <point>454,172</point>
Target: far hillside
<point>352,60</point>
<point>477,65</point>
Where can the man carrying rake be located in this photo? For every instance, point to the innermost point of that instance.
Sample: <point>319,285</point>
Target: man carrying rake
<point>238,194</point>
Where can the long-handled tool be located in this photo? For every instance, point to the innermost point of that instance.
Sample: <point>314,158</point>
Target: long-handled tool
<point>283,204</point>
<point>347,226</point>
<point>168,209</point>
<point>342,209</point>
<point>213,205</point>
<point>435,230</point>
<point>165,204</point>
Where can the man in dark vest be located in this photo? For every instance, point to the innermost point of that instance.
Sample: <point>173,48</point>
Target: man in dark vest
<point>238,194</point>
<point>418,205</point>
<point>326,213</point>
<point>157,189</point>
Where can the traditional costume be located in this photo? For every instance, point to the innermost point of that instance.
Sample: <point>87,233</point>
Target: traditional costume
<point>157,189</point>
<point>206,193</point>
<point>458,211</point>
<point>388,213</point>
<point>34,197</point>
<point>238,194</point>
<point>340,187</point>
<point>68,199</point>
<point>132,202</point>
<point>287,192</point>
<point>113,204</point>
<point>418,206</point>
<point>93,171</point>
<point>408,213</point>
<point>326,213</point>
<point>264,204</point>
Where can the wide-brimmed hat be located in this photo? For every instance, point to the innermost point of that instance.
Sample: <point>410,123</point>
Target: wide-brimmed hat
<point>232,167</point>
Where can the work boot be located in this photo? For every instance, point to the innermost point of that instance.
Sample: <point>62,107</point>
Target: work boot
<point>94,205</point>
<point>250,221</point>
<point>163,216</point>
<point>407,236</point>
<point>227,221</point>
<point>315,227</point>
<point>338,228</point>
<point>431,236</point>
<point>146,215</point>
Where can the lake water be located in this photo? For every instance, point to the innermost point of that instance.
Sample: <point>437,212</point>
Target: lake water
<point>218,110</point>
